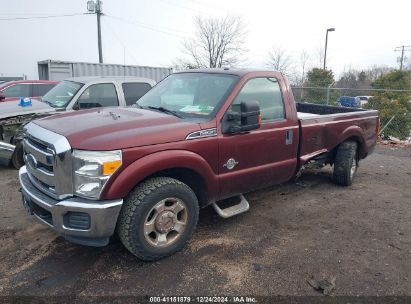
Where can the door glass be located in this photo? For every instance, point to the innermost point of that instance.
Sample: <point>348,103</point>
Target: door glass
<point>98,95</point>
<point>18,90</point>
<point>268,94</point>
<point>133,91</point>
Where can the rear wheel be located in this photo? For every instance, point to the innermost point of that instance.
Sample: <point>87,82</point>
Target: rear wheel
<point>345,163</point>
<point>157,218</point>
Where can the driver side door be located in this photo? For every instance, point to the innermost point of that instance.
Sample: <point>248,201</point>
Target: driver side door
<point>261,157</point>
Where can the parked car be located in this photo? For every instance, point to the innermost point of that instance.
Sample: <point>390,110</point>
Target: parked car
<point>195,139</point>
<point>69,95</point>
<point>14,90</point>
<point>349,101</point>
<point>364,100</point>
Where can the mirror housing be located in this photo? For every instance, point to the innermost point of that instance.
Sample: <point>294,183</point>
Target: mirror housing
<point>2,96</point>
<point>248,119</point>
<point>76,107</point>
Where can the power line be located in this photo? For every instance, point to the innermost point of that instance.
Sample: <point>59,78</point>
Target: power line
<point>40,17</point>
<point>121,42</point>
<point>148,27</point>
<point>210,6</point>
<point>182,6</point>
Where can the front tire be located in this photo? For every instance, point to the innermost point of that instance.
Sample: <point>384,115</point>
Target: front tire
<point>17,157</point>
<point>157,218</point>
<point>345,163</point>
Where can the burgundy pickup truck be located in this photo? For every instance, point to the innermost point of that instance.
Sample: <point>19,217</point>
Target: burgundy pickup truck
<point>196,139</point>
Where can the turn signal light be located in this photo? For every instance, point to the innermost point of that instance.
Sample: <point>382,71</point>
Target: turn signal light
<point>111,167</point>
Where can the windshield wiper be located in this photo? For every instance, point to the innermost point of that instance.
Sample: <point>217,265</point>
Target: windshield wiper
<point>165,110</point>
<point>46,101</point>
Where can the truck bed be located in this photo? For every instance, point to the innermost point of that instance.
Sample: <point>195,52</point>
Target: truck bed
<point>323,127</point>
<point>316,109</point>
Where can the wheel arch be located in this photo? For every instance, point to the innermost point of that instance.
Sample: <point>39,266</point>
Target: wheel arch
<point>185,166</point>
<point>354,133</point>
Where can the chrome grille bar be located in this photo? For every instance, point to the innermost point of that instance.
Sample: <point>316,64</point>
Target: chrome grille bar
<point>40,155</point>
<point>48,161</point>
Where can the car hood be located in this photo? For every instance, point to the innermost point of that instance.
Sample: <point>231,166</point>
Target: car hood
<point>118,128</point>
<point>12,108</point>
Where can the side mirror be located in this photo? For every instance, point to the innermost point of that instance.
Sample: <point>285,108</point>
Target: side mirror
<point>2,96</point>
<point>76,107</point>
<point>248,119</point>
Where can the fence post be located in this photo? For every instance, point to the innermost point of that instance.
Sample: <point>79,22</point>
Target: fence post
<point>386,125</point>
<point>328,92</point>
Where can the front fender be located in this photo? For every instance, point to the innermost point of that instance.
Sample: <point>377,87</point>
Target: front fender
<point>148,165</point>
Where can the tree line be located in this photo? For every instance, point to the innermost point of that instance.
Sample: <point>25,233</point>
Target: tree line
<point>219,42</point>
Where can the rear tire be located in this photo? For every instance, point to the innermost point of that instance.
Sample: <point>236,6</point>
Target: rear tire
<point>157,218</point>
<point>17,157</point>
<point>345,163</point>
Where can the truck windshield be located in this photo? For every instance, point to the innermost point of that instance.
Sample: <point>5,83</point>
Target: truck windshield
<point>190,94</point>
<point>61,94</point>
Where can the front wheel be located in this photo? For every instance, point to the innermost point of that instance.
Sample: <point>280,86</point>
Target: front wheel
<point>157,218</point>
<point>17,157</point>
<point>345,163</point>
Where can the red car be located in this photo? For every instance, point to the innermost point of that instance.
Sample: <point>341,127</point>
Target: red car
<point>14,90</point>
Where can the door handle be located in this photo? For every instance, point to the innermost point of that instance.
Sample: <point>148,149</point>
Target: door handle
<point>288,137</point>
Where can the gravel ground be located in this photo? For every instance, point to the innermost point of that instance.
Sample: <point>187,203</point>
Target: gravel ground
<point>360,236</point>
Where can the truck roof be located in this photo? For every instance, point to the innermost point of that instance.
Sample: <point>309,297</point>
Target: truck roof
<point>229,71</point>
<point>89,79</point>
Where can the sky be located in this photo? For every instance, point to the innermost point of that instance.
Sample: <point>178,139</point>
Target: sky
<point>151,32</point>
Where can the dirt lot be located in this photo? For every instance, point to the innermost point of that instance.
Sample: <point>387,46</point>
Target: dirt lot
<point>360,235</point>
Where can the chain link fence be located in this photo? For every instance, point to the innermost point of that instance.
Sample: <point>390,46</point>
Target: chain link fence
<point>394,106</point>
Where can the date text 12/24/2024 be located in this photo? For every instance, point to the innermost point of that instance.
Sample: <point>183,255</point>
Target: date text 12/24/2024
<point>203,299</point>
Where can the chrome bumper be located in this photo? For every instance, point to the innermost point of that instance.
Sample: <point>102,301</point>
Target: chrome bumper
<point>6,152</point>
<point>102,215</point>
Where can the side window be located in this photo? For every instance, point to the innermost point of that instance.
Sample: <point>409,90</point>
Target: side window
<point>18,90</point>
<point>98,95</point>
<point>133,91</point>
<point>41,89</point>
<point>268,94</point>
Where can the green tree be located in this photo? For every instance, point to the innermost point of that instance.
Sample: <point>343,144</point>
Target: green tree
<point>321,79</point>
<point>392,103</point>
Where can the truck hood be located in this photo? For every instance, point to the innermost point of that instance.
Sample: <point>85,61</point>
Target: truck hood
<point>118,128</point>
<point>12,108</point>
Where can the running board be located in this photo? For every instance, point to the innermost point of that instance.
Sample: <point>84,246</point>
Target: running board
<point>241,207</point>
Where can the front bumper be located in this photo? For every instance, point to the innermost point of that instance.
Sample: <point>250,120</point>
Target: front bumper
<point>61,216</point>
<point>6,152</point>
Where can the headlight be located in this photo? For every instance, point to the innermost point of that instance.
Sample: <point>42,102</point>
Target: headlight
<point>92,170</point>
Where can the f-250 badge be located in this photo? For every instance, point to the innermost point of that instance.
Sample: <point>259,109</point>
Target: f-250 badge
<point>230,164</point>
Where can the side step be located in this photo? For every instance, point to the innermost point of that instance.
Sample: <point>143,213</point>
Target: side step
<point>241,207</point>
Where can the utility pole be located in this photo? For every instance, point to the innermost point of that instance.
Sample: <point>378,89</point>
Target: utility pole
<point>96,8</point>
<point>402,49</point>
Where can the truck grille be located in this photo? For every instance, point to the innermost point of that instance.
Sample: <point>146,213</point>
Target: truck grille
<point>39,159</point>
<point>48,161</point>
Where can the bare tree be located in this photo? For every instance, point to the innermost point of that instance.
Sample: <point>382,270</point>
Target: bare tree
<point>303,62</point>
<point>218,42</point>
<point>279,60</point>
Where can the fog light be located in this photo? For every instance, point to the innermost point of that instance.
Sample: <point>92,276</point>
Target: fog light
<point>77,220</point>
